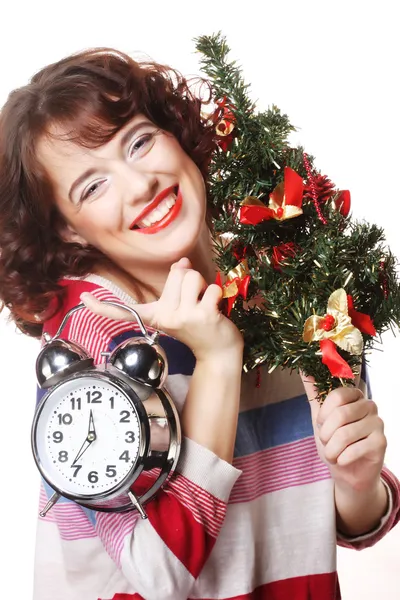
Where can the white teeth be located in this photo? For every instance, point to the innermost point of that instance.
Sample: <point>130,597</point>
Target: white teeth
<point>158,213</point>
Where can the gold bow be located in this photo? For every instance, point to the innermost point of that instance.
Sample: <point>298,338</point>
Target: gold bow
<point>338,327</point>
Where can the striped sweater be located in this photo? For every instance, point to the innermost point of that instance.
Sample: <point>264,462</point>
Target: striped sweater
<point>262,528</point>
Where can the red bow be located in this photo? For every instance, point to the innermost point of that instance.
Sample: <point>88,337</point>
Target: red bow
<point>285,201</point>
<point>237,284</point>
<point>225,124</point>
<point>330,356</point>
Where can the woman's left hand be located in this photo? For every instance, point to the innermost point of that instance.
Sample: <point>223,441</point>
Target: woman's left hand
<point>350,436</point>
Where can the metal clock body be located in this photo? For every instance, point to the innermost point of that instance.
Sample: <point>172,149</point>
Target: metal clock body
<point>108,436</point>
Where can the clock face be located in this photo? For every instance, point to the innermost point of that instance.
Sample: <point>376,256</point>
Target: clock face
<point>87,436</point>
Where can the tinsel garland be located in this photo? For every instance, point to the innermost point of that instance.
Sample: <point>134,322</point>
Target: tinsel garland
<point>310,288</point>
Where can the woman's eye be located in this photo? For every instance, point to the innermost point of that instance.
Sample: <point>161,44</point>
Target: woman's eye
<point>142,144</point>
<point>92,189</point>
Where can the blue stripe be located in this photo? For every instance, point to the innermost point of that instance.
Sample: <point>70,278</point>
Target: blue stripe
<point>91,514</point>
<point>180,358</point>
<point>272,425</point>
<point>365,377</point>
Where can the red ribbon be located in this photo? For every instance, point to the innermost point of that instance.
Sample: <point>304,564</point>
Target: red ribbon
<point>293,189</point>
<point>360,320</point>
<point>254,214</point>
<point>335,363</point>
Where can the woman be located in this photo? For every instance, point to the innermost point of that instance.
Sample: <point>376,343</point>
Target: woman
<point>103,164</point>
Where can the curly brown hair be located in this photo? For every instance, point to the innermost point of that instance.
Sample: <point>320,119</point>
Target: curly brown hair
<point>92,94</point>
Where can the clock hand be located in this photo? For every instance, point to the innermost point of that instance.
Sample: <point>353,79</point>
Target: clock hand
<point>82,450</point>
<point>91,436</point>
<point>92,431</point>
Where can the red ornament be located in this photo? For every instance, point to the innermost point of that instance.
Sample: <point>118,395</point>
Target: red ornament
<point>383,278</point>
<point>281,253</point>
<point>279,212</point>
<point>323,187</point>
<point>328,323</point>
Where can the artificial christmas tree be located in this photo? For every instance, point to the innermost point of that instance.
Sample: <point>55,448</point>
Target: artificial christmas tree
<point>310,288</point>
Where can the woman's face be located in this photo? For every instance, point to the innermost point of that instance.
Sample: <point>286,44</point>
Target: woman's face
<point>139,199</point>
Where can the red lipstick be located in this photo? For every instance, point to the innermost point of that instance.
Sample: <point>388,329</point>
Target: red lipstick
<point>165,221</point>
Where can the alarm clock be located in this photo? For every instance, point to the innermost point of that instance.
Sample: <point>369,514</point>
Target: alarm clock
<point>106,436</point>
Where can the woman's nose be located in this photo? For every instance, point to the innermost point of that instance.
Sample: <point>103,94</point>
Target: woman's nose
<point>139,187</point>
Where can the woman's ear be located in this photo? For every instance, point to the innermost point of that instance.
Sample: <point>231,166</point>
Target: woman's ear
<point>69,235</point>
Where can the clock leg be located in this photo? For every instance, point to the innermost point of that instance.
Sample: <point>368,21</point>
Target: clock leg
<point>137,504</point>
<point>54,498</point>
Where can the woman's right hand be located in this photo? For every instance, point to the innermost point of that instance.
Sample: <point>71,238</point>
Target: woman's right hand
<point>188,309</point>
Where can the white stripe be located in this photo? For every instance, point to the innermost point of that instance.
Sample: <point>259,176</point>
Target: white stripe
<point>297,538</point>
<point>206,470</point>
<point>153,570</point>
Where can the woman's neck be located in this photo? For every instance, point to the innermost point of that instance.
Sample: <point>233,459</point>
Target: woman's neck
<point>202,259</point>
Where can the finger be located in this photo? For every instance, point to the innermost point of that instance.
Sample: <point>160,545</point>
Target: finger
<point>105,310</point>
<point>212,297</point>
<point>193,285</point>
<point>171,294</point>
<point>310,388</point>
<point>373,446</point>
<point>343,415</point>
<point>183,263</point>
<point>348,435</point>
<point>145,311</point>
<point>336,398</point>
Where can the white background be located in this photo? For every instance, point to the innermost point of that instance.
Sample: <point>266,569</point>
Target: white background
<point>333,67</point>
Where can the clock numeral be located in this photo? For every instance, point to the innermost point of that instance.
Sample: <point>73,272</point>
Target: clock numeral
<point>124,414</point>
<point>94,397</point>
<point>124,456</point>
<point>111,470</point>
<point>112,401</point>
<point>65,419</point>
<point>77,469</point>
<point>62,456</point>
<point>76,403</point>
<point>130,437</point>
<point>57,437</point>
<point>93,477</point>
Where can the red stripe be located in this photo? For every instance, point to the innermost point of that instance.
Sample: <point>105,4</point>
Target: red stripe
<point>126,597</point>
<point>310,587</point>
<point>182,533</point>
<point>274,469</point>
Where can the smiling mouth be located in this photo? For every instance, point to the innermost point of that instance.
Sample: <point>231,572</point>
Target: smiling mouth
<point>160,212</point>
